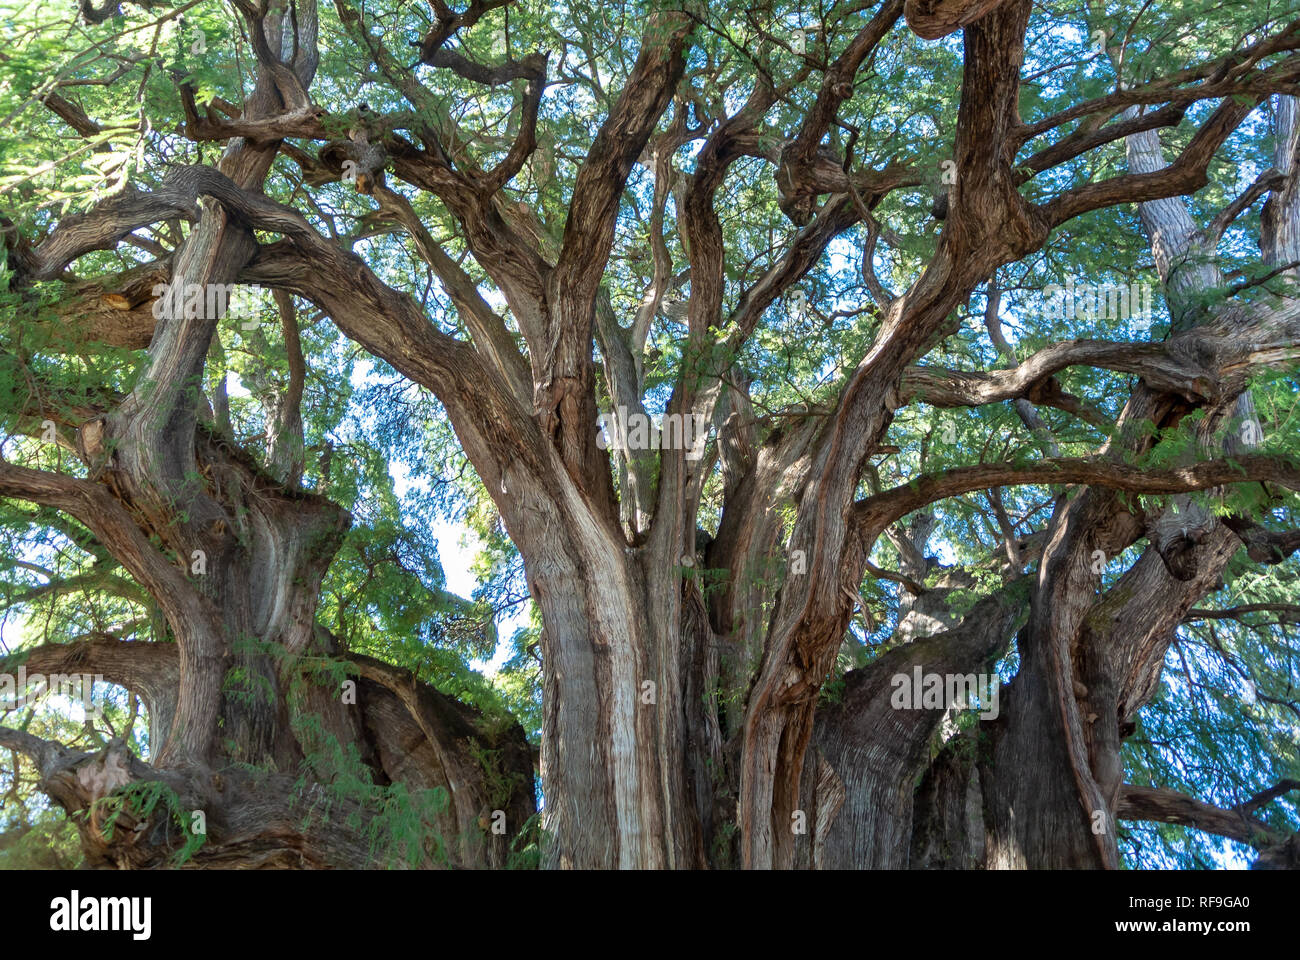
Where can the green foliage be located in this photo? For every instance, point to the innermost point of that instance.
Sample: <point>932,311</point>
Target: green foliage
<point>402,825</point>
<point>139,799</point>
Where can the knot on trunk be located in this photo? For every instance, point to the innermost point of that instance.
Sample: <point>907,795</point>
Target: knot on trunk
<point>804,174</point>
<point>358,161</point>
<point>128,815</point>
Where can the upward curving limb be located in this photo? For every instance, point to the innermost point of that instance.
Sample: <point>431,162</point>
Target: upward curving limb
<point>563,391</point>
<point>149,670</point>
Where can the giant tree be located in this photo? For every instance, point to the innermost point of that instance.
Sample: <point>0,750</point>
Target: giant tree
<point>787,353</point>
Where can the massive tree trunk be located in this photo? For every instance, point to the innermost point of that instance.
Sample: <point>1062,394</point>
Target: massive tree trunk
<point>234,558</point>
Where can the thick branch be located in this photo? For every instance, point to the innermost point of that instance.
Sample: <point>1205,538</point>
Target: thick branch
<point>1187,174</point>
<point>876,512</point>
<point>1169,806</point>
